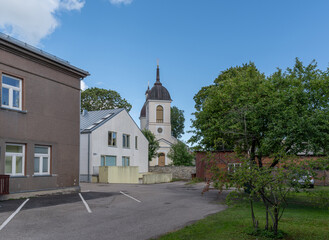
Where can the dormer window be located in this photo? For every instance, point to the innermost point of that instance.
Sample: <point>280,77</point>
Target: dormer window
<point>159,114</point>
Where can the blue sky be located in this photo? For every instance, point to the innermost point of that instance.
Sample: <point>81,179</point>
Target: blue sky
<point>119,41</point>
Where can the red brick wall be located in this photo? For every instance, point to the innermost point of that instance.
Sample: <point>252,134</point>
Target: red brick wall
<point>206,160</point>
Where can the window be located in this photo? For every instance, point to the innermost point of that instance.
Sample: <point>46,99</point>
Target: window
<point>112,139</point>
<point>108,160</point>
<point>159,114</point>
<point>125,141</point>
<point>233,166</point>
<point>41,160</point>
<point>125,161</point>
<point>136,142</point>
<point>15,157</point>
<point>11,92</point>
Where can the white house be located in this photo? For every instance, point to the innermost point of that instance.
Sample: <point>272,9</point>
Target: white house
<point>110,138</point>
<point>155,116</point>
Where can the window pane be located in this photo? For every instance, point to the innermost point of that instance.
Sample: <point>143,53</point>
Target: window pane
<point>123,140</point>
<point>16,98</point>
<point>19,164</point>
<point>8,168</point>
<point>102,161</point>
<point>10,81</point>
<point>45,164</point>
<point>128,141</point>
<point>110,139</point>
<point>42,150</point>
<point>114,137</point>
<point>110,161</point>
<point>36,165</point>
<point>14,149</point>
<point>5,96</point>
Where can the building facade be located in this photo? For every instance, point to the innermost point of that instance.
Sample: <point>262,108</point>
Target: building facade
<point>155,116</point>
<point>110,138</point>
<point>39,118</point>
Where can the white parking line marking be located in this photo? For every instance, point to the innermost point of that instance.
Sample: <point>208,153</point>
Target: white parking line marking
<point>130,197</point>
<point>85,203</point>
<point>13,215</point>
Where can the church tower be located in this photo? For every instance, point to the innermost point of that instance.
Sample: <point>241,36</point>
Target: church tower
<point>155,116</point>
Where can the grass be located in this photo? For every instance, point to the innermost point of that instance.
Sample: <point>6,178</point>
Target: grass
<point>301,220</point>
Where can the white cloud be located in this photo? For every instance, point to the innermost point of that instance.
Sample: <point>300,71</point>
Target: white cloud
<point>118,2</point>
<point>72,4</point>
<point>33,20</point>
<point>83,85</point>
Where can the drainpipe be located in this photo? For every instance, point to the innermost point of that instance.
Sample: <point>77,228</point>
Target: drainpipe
<point>88,157</point>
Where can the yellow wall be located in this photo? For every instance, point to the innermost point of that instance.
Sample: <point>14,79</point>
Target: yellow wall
<point>109,174</point>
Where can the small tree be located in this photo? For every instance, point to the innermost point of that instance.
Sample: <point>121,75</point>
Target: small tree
<point>180,155</point>
<point>153,144</point>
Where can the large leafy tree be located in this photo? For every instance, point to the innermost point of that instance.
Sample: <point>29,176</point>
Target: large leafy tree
<point>153,144</point>
<point>177,121</point>
<point>180,154</point>
<point>284,114</point>
<point>94,99</point>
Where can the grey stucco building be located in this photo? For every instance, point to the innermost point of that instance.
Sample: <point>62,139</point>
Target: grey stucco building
<point>39,118</point>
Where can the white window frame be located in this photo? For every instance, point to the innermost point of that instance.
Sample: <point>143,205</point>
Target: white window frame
<point>11,94</point>
<point>13,160</point>
<point>232,166</point>
<point>116,138</point>
<point>41,156</point>
<point>127,136</point>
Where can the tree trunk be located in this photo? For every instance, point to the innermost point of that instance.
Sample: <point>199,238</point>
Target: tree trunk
<point>253,215</point>
<point>276,221</point>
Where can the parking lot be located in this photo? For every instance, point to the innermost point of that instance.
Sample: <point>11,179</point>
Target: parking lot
<point>110,211</point>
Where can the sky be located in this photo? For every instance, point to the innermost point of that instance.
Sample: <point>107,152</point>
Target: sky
<point>119,41</point>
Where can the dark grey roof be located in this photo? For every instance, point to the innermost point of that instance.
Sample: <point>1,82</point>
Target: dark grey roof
<point>89,121</point>
<point>143,111</point>
<point>158,92</point>
<point>39,52</point>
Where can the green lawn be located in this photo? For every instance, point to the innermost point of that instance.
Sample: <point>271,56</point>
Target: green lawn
<point>301,220</point>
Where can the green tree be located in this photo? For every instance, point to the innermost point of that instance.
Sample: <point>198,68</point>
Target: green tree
<point>177,122</point>
<point>180,155</point>
<point>277,116</point>
<point>93,99</point>
<point>153,144</point>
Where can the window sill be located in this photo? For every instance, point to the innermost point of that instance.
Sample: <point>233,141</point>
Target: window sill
<point>112,146</point>
<point>14,110</point>
<point>17,176</point>
<point>42,175</point>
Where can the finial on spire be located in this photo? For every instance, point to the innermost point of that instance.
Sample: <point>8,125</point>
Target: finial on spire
<point>148,85</point>
<point>157,62</point>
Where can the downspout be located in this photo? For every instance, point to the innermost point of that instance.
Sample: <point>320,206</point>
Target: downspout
<point>88,157</point>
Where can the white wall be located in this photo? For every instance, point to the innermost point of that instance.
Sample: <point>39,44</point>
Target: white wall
<point>121,123</point>
<point>84,157</point>
<point>166,125</point>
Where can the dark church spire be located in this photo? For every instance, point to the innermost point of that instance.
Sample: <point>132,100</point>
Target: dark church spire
<point>158,75</point>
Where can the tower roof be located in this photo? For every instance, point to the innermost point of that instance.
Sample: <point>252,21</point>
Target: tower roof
<point>158,92</point>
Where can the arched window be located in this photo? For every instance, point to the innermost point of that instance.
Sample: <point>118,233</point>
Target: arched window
<point>159,114</point>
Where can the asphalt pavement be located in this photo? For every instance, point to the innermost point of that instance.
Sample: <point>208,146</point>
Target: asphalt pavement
<point>109,211</point>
